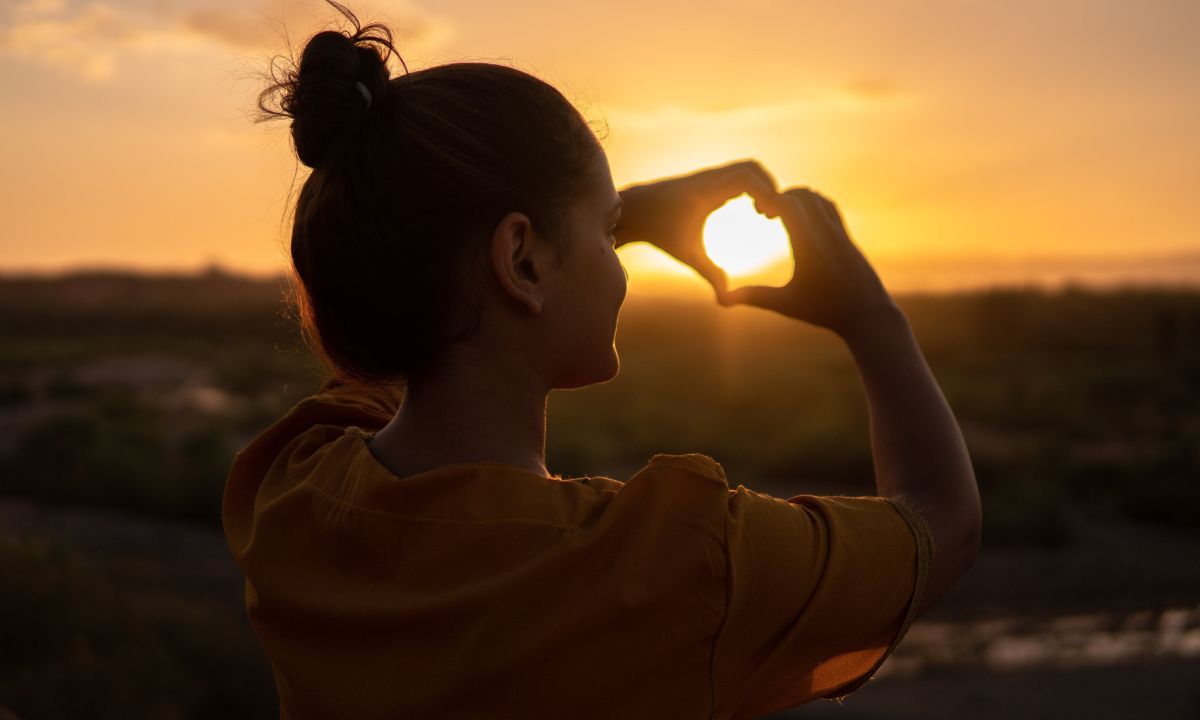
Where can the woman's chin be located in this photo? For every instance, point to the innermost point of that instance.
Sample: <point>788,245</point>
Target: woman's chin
<point>605,369</point>
<point>614,366</point>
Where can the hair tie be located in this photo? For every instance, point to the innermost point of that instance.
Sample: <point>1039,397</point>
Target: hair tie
<point>365,92</point>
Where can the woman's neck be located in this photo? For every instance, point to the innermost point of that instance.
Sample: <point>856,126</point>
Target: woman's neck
<point>469,411</point>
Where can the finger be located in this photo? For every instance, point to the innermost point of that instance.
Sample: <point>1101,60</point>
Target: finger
<point>841,240</point>
<point>832,208</point>
<point>761,296</point>
<point>829,210</point>
<point>817,209</point>
<point>806,222</point>
<point>745,176</point>
<point>797,214</point>
<point>713,273</point>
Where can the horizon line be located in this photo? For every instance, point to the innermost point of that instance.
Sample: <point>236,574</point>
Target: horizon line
<point>682,287</point>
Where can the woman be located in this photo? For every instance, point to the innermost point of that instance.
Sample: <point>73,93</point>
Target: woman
<point>406,551</point>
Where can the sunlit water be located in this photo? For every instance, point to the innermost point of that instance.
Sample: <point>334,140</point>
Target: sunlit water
<point>1060,642</point>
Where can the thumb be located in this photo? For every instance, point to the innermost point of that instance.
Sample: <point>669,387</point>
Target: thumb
<point>714,274</point>
<point>757,295</point>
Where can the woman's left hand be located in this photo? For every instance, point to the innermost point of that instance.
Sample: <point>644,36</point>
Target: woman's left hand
<point>670,213</point>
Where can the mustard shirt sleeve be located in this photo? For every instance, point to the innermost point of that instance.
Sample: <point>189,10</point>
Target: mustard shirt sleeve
<point>820,590</point>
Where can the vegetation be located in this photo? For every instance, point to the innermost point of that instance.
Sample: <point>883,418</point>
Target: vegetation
<point>135,392</point>
<point>76,645</point>
<point>1076,396</point>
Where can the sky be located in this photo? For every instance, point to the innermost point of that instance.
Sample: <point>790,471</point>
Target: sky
<point>966,142</point>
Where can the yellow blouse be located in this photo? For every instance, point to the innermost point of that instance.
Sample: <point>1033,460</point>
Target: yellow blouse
<point>486,590</point>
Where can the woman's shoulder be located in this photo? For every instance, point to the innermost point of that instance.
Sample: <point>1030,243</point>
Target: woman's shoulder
<point>689,487</point>
<point>689,465</point>
<point>382,399</point>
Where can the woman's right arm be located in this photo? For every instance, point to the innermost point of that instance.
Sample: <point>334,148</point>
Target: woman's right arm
<point>918,449</point>
<point>919,453</point>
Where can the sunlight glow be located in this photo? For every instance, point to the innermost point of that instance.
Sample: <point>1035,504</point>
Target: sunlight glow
<point>747,244</point>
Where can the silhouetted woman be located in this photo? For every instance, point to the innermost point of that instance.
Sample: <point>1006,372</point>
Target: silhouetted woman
<point>408,555</point>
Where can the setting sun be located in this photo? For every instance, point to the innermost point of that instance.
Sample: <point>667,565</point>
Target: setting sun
<point>747,244</point>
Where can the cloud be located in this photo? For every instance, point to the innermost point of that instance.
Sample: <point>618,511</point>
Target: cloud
<point>851,97</point>
<point>871,88</point>
<point>233,25</point>
<point>91,38</point>
<point>247,26</point>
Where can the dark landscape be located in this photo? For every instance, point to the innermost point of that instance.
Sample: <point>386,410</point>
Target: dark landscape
<point>123,399</point>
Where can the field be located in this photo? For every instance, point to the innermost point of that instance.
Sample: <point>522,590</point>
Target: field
<point>123,399</point>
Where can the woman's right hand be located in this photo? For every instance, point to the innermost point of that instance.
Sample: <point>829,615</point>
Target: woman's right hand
<point>832,286</point>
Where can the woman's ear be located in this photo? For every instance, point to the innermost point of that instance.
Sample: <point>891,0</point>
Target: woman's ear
<point>517,260</point>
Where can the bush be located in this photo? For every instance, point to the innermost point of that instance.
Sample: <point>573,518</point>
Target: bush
<point>122,453</point>
<point>1024,503</point>
<point>75,645</point>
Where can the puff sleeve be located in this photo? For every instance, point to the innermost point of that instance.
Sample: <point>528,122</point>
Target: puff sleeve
<point>820,590</point>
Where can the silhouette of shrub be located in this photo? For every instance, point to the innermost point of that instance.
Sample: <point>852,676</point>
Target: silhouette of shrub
<point>1023,504</point>
<point>77,645</point>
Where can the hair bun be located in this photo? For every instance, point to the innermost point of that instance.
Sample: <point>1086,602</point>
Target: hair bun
<point>322,95</point>
<point>326,99</point>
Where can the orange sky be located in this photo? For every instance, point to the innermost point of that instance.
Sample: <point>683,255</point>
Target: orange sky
<point>966,141</point>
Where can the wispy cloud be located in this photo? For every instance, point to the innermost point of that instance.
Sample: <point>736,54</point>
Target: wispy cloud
<point>788,135</point>
<point>92,39</point>
<point>872,88</point>
<point>850,96</point>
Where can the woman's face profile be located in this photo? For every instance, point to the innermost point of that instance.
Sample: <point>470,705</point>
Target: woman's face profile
<point>591,285</point>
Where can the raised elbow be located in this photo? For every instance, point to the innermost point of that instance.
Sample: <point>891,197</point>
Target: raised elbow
<point>957,530</point>
<point>972,545</point>
<point>970,537</point>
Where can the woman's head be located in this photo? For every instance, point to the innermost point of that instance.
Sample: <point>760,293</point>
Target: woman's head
<point>395,235</point>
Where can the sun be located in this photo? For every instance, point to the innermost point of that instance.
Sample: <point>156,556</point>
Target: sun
<point>748,245</point>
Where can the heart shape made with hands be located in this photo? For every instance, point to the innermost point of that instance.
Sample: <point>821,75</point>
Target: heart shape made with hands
<point>752,249</point>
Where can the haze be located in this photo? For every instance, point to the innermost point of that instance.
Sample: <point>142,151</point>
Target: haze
<point>967,143</point>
